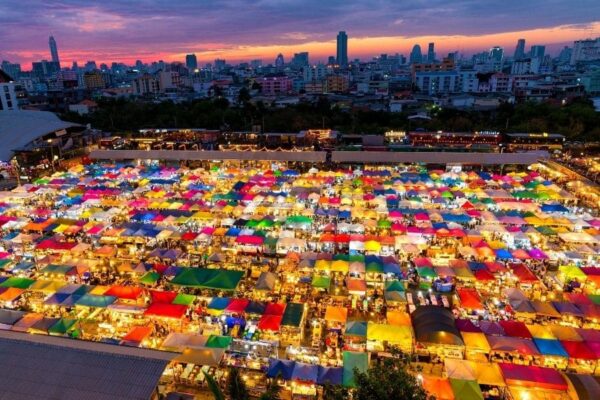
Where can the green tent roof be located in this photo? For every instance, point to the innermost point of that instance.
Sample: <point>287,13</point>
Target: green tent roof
<point>292,315</point>
<point>352,360</point>
<point>466,390</point>
<point>150,278</point>
<point>57,269</point>
<point>17,282</point>
<point>374,267</point>
<point>426,272</point>
<point>394,286</point>
<point>321,282</point>
<point>91,300</point>
<point>299,219</point>
<point>184,299</point>
<point>62,326</point>
<point>220,279</point>
<point>4,263</point>
<point>384,223</point>
<point>218,342</point>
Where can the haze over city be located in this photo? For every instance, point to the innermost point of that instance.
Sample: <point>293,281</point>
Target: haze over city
<point>125,31</point>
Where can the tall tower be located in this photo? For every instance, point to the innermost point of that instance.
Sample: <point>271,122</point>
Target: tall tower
<point>520,50</point>
<point>342,49</point>
<point>53,50</point>
<point>415,55</point>
<point>431,53</point>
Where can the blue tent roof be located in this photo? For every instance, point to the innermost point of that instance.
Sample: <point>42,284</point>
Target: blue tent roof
<point>219,303</point>
<point>503,254</point>
<point>305,372</point>
<point>331,375</point>
<point>554,208</point>
<point>550,347</point>
<point>356,328</point>
<point>285,368</point>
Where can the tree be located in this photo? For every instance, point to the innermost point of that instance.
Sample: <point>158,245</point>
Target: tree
<point>243,96</point>
<point>389,379</point>
<point>236,386</point>
<point>213,386</point>
<point>272,392</point>
<point>334,392</point>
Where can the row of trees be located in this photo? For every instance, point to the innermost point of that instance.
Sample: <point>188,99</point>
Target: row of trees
<point>577,120</point>
<point>387,379</point>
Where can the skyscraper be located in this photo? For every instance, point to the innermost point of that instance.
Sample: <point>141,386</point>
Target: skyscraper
<point>279,61</point>
<point>538,52</point>
<point>300,60</point>
<point>191,62</point>
<point>496,54</point>
<point>53,50</point>
<point>415,55</point>
<point>431,53</point>
<point>342,49</point>
<point>520,50</point>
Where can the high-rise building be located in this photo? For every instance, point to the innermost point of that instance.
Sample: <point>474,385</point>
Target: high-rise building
<point>53,50</point>
<point>565,55</point>
<point>342,49</point>
<point>13,70</point>
<point>220,64</point>
<point>520,50</point>
<point>538,52</point>
<point>416,57</point>
<point>300,60</point>
<point>496,54</point>
<point>585,50</point>
<point>44,69</point>
<point>431,53</point>
<point>191,62</point>
<point>8,95</point>
<point>279,61</point>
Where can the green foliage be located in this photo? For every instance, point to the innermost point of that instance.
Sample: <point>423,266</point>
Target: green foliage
<point>236,387</point>
<point>576,120</point>
<point>272,392</point>
<point>335,392</point>
<point>389,379</point>
<point>213,386</point>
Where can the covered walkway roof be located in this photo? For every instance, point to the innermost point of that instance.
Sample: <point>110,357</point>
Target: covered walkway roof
<point>45,367</point>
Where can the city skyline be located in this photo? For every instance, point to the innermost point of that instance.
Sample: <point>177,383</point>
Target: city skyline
<point>126,31</point>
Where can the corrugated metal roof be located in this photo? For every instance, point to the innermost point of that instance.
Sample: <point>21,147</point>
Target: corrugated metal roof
<point>51,368</point>
<point>18,128</point>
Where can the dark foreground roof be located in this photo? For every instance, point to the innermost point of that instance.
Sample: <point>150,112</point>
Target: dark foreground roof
<point>50,368</point>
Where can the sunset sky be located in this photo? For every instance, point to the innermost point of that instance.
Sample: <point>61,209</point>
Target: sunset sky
<point>241,30</point>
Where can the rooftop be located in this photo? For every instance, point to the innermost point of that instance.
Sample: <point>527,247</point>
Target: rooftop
<point>18,128</point>
<point>45,367</point>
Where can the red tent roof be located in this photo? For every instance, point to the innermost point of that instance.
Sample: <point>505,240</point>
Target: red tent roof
<point>469,298</point>
<point>237,306</point>
<point>124,292</point>
<point>523,273</point>
<point>269,322</point>
<point>484,275</point>
<point>162,296</point>
<point>516,329</point>
<point>579,350</point>
<point>531,376</point>
<point>275,309</point>
<point>166,310</point>
<point>138,334</point>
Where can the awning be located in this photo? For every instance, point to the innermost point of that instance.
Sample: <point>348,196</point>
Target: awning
<point>205,356</point>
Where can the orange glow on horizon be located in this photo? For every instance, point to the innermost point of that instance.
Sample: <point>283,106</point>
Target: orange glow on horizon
<point>319,51</point>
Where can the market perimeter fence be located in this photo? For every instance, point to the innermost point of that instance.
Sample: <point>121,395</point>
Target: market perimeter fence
<point>343,157</point>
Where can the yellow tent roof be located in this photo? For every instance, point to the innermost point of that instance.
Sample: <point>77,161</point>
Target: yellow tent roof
<point>339,266</point>
<point>390,333</point>
<point>565,333</point>
<point>475,341</point>
<point>540,331</point>
<point>323,265</point>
